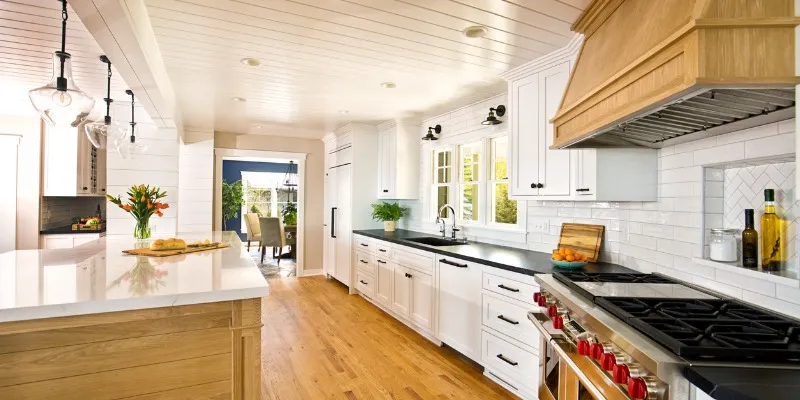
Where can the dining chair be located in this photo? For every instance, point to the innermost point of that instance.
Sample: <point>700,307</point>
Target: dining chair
<point>273,235</point>
<point>253,228</point>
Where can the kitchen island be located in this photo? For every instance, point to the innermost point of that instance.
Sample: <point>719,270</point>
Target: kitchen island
<point>93,323</point>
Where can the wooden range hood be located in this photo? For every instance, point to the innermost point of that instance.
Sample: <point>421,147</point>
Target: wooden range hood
<point>657,73</point>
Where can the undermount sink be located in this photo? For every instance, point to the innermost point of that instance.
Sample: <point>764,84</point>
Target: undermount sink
<point>434,241</point>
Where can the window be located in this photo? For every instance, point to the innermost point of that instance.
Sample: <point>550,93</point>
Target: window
<point>442,179</point>
<point>469,181</point>
<point>479,192</point>
<point>504,211</point>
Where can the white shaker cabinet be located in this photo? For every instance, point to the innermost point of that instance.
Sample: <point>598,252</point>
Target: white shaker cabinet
<point>615,175</point>
<point>401,292</point>
<point>422,294</point>
<point>384,282</point>
<point>71,165</point>
<point>460,305</point>
<point>398,176</point>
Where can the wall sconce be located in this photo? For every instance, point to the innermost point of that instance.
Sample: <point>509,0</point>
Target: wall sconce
<point>491,119</point>
<point>431,130</point>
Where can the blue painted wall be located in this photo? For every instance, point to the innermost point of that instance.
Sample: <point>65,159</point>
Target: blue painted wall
<point>232,172</point>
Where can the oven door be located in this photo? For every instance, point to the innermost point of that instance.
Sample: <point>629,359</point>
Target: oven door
<point>565,375</point>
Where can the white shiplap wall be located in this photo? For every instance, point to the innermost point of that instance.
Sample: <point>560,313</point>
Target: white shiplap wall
<point>660,236</point>
<point>157,165</point>
<point>196,181</point>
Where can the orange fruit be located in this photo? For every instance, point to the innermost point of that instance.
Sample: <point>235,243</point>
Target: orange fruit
<point>570,258</point>
<point>569,252</point>
<point>563,252</point>
<point>578,255</point>
<point>558,257</point>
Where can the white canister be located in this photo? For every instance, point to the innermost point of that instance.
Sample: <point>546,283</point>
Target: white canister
<point>723,245</point>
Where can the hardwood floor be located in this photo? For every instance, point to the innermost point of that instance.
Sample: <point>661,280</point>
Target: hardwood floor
<point>318,342</point>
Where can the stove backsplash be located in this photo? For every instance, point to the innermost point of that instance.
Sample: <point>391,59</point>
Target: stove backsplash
<point>59,211</point>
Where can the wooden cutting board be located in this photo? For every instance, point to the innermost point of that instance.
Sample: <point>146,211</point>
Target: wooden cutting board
<point>583,238</point>
<point>167,253</point>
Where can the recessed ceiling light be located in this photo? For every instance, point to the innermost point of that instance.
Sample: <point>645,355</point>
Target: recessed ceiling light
<point>388,85</point>
<point>250,62</point>
<point>258,127</point>
<point>238,99</point>
<point>475,31</point>
<point>343,112</point>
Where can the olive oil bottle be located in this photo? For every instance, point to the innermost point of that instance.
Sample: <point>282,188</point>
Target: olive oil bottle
<point>749,241</point>
<point>773,239</point>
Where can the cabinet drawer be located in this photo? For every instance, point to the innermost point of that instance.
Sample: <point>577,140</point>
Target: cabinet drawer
<point>411,260</point>
<point>365,284</point>
<point>510,319</point>
<point>383,249</point>
<point>364,263</point>
<point>364,244</point>
<point>512,361</point>
<point>508,287</point>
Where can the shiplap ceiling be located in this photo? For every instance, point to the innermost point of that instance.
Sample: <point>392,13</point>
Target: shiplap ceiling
<point>320,57</point>
<point>30,31</point>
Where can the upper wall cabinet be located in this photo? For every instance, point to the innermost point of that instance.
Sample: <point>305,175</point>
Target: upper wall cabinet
<point>398,176</point>
<point>72,166</point>
<point>539,172</point>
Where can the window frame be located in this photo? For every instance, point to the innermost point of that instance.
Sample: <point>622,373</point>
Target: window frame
<point>491,182</point>
<point>480,183</point>
<point>434,178</point>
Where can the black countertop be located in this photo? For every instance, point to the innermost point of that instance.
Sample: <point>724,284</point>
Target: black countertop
<point>63,230</point>
<point>507,258</point>
<point>736,383</point>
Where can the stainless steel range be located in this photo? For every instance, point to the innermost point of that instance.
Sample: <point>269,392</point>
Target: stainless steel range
<point>629,336</point>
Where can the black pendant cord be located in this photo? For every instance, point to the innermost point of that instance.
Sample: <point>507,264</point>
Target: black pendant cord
<point>108,99</point>
<point>61,83</point>
<point>133,118</point>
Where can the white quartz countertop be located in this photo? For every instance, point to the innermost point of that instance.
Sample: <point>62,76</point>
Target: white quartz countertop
<point>97,278</point>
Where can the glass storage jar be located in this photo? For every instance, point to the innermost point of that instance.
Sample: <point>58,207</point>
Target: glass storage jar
<point>723,245</point>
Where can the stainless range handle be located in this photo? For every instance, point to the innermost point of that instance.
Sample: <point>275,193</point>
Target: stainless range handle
<point>559,346</point>
<point>540,321</point>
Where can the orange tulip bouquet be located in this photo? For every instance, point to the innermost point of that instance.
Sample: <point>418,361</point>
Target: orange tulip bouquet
<point>142,204</point>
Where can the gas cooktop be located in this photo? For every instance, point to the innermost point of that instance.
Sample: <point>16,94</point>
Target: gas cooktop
<point>711,329</point>
<point>594,285</point>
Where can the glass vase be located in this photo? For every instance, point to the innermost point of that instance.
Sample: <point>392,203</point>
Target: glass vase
<point>142,229</point>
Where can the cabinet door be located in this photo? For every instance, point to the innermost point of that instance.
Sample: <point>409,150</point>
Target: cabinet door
<point>587,172</point>
<point>460,305</point>
<point>385,282</point>
<point>554,165</point>
<point>343,223</point>
<point>388,162</point>
<point>57,242</point>
<point>329,245</point>
<point>524,145</point>
<point>421,311</point>
<point>102,162</point>
<point>401,291</point>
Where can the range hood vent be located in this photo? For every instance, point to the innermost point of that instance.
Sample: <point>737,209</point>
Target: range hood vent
<point>655,74</point>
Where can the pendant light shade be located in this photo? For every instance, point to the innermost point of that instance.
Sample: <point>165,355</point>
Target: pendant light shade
<point>101,132</point>
<point>290,179</point>
<point>127,146</point>
<point>61,102</point>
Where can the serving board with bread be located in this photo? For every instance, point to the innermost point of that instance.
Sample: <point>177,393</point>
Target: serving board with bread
<point>174,247</point>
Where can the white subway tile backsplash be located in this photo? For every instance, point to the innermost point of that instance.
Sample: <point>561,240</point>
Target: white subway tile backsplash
<point>770,147</point>
<point>772,303</point>
<point>690,235</point>
<point>574,212</point>
<point>657,231</point>
<point>745,282</point>
<point>757,132</point>
<point>686,265</point>
<point>677,161</point>
<point>687,174</point>
<point>712,284</point>
<point>643,241</point>
<point>719,154</point>
<point>677,248</point>
<point>605,213</point>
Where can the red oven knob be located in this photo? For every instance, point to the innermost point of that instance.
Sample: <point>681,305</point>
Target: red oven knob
<point>607,361</point>
<point>558,322</point>
<point>542,300</point>
<point>596,351</point>
<point>621,373</point>
<point>536,297</point>
<point>637,388</point>
<point>552,311</point>
<point>584,348</point>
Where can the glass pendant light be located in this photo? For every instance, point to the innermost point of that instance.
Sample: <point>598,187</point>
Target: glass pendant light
<point>100,132</point>
<point>61,102</point>
<point>127,146</point>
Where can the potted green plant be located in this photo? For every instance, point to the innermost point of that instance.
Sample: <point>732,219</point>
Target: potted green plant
<point>389,213</point>
<point>289,214</point>
<point>232,200</point>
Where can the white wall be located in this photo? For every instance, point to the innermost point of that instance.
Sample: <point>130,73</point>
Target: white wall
<point>660,236</point>
<point>156,166</point>
<point>196,181</point>
<point>28,171</point>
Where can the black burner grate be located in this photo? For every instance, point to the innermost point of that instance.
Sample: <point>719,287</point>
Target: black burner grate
<point>611,278</point>
<point>711,329</point>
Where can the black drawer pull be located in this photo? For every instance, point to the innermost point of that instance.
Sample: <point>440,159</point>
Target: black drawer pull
<point>382,250</point>
<point>504,287</point>
<point>502,357</point>
<point>362,261</point>
<point>385,191</point>
<point>510,321</point>
<point>364,244</point>
<point>382,262</point>
<point>409,275</point>
<point>453,263</point>
<point>365,283</point>
<point>581,190</point>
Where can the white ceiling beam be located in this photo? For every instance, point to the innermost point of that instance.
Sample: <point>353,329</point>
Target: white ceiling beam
<point>122,29</point>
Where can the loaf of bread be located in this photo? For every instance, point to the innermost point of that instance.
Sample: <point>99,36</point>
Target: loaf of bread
<point>168,244</point>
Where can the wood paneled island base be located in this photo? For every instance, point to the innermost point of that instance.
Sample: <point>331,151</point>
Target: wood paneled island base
<point>198,351</point>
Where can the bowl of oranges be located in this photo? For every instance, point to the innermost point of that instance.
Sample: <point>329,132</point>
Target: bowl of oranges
<point>568,258</point>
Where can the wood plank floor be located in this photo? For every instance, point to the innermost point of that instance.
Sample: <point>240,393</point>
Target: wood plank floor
<point>318,342</point>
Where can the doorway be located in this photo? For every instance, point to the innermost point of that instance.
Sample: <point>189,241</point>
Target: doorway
<point>270,188</point>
